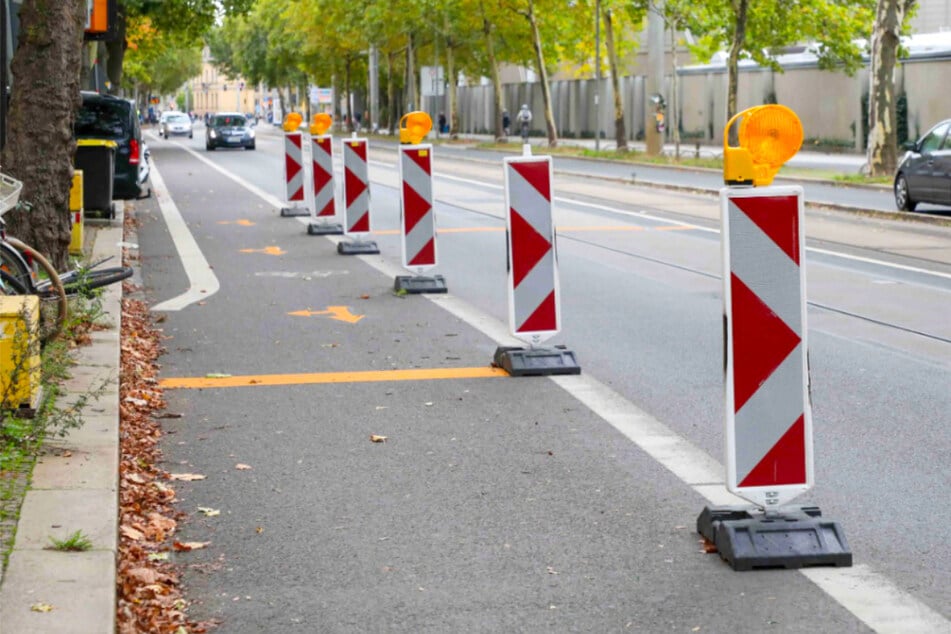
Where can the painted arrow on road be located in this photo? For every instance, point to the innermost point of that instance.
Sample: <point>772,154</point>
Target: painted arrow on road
<point>340,313</point>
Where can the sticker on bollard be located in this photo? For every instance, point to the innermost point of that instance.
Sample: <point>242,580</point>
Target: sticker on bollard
<point>418,221</point>
<point>356,195</point>
<point>325,208</point>
<point>294,175</point>
<point>793,537</point>
<point>534,311</point>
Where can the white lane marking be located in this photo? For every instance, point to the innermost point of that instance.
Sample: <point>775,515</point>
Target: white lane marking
<point>202,281</point>
<point>868,595</point>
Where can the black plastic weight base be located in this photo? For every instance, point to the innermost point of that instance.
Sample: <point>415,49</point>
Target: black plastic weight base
<point>536,361</point>
<point>420,284</point>
<point>324,229</point>
<point>290,212</point>
<point>357,248</point>
<point>789,537</point>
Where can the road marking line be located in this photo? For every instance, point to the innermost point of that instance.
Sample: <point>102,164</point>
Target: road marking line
<point>369,376</point>
<point>202,281</point>
<point>868,595</point>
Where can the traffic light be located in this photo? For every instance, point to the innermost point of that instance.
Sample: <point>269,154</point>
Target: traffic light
<point>768,136</point>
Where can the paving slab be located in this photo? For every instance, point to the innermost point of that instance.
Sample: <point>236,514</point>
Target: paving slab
<point>68,466</point>
<point>58,513</point>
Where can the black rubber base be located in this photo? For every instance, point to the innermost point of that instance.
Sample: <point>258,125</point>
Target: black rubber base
<point>791,537</point>
<point>420,284</point>
<point>536,361</point>
<point>290,212</point>
<point>324,229</point>
<point>357,248</point>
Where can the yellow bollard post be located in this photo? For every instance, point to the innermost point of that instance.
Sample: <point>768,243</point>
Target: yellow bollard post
<point>76,213</point>
<point>20,353</point>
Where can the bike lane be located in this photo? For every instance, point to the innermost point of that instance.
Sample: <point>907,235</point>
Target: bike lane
<point>494,504</point>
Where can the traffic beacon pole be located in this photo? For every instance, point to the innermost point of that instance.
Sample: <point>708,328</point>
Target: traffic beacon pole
<point>322,160</point>
<point>533,290</point>
<point>293,167</point>
<point>417,214</point>
<point>769,456</point>
<point>356,196</point>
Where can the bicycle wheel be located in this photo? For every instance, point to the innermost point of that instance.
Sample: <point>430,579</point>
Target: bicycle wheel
<point>15,268</point>
<point>53,304</point>
<point>84,281</point>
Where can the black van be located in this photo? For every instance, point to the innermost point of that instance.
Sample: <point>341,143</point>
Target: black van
<point>114,119</point>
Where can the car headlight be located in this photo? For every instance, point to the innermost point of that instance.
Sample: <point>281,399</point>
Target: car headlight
<point>212,134</point>
<point>251,133</point>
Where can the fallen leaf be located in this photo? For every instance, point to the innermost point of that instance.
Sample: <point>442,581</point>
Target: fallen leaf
<point>375,438</point>
<point>216,375</point>
<point>170,415</point>
<point>67,453</point>
<point>186,546</point>
<point>136,478</point>
<point>708,546</point>
<point>41,607</point>
<point>158,556</point>
<point>132,533</point>
<point>364,296</point>
<point>428,404</point>
<point>259,530</point>
<point>208,512</point>
<point>187,477</point>
<point>143,575</point>
<point>242,467</point>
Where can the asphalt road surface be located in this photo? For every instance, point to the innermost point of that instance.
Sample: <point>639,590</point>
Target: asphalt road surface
<point>500,504</point>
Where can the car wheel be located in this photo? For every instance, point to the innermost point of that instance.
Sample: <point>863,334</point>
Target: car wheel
<point>249,147</point>
<point>902,195</point>
<point>209,147</point>
<point>189,136</point>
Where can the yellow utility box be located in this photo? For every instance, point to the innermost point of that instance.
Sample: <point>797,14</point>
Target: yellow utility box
<point>19,352</point>
<point>76,213</point>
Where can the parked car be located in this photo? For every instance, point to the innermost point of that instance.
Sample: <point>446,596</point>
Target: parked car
<point>229,129</point>
<point>176,124</point>
<point>114,119</point>
<point>924,173</point>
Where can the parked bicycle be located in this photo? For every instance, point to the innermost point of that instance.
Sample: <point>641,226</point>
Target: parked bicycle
<point>24,271</point>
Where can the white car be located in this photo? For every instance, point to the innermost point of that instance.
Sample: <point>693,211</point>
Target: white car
<point>175,124</point>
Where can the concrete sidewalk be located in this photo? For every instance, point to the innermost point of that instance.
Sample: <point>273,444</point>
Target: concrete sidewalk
<point>74,487</point>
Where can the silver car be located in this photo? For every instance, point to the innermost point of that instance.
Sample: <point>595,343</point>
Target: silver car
<point>176,124</point>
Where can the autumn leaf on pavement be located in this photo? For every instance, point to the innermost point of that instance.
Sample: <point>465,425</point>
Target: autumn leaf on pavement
<point>132,533</point>
<point>242,467</point>
<point>217,375</point>
<point>375,438</point>
<point>187,546</point>
<point>208,512</point>
<point>187,477</point>
<point>41,607</point>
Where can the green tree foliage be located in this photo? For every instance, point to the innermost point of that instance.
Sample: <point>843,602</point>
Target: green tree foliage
<point>761,30</point>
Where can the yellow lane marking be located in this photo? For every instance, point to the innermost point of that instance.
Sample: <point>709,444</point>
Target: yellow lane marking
<point>243,223</point>
<point>266,251</point>
<point>368,376</point>
<point>340,313</point>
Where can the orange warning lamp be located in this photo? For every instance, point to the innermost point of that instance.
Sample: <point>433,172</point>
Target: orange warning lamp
<point>320,123</point>
<point>414,126</point>
<point>292,121</point>
<point>769,136</point>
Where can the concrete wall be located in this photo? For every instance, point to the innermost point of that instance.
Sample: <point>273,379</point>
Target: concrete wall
<point>828,103</point>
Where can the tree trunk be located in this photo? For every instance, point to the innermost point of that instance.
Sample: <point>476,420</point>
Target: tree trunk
<point>116,53</point>
<point>411,75</point>
<point>733,63</point>
<point>883,137</point>
<point>620,132</point>
<point>348,115</point>
<point>392,110</point>
<point>674,94</point>
<point>496,80</point>
<point>40,145</point>
<point>451,90</point>
<point>543,76</point>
